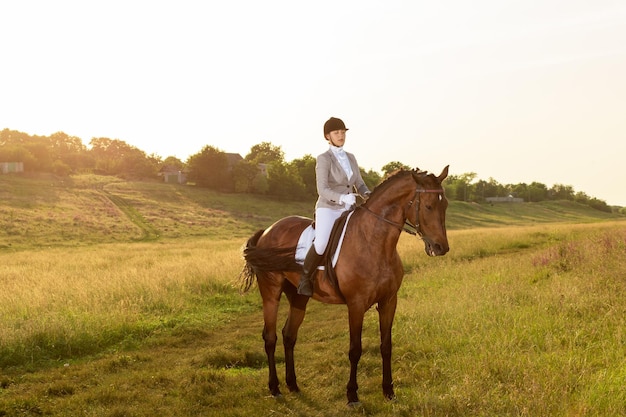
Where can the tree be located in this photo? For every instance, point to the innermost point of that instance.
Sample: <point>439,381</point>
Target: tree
<point>284,181</point>
<point>265,153</point>
<point>209,168</point>
<point>40,150</point>
<point>520,191</point>
<point>137,165</point>
<point>13,137</point>
<point>458,187</point>
<point>116,157</point>
<point>394,166</point>
<point>107,155</point>
<point>305,167</point>
<point>537,192</point>
<point>371,178</point>
<point>245,175</point>
<point>599,205</point>
<point>66,148</point>
<point>174,163</point>
<point>561,192</point>
<point>60,168</point>
<point>17,153</point>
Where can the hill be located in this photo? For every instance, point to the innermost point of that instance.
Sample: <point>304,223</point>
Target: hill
<point>43,211</point>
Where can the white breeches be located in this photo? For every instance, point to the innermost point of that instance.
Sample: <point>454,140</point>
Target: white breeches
<point>324,221</point>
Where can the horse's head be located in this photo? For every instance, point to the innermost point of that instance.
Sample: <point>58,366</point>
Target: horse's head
<point>415,198</point>
<point>428,211</point>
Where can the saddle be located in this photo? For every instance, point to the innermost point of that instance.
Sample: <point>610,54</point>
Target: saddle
<point>305,241</point>
<point>333,248</point>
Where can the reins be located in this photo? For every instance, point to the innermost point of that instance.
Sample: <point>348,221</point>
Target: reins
<point>379,217</point>
<point>413,230</point>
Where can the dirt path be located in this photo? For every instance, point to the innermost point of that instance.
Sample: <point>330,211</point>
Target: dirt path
<point>149,233</point>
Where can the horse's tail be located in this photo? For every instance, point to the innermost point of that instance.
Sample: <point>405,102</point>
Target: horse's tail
<point>247,275</point>
<point>261,260</point>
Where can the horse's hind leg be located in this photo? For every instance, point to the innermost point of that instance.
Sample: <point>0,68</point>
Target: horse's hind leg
<point>297,309</point>
<point>271,300</point>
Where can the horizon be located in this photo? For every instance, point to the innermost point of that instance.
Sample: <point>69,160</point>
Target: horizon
<point>379,171</point>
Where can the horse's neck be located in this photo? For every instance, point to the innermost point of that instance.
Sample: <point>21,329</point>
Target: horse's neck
<point>387,218</point>
<point>393,211</point>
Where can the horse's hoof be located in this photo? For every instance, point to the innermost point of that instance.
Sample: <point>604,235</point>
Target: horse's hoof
<point>295,389</point>
<point>355,404</point>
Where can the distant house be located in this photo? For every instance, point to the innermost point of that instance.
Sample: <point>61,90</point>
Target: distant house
<point>9,167</point>
<point>173,175</point>
<point>509,199</point>
<point>233,159</point>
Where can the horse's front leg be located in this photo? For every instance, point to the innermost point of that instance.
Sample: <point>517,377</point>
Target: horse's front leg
<point>355,317</point>
<point>297,310</point>
<point>386,313</point>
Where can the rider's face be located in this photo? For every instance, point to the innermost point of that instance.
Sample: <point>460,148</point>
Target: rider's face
<point>337,137</point>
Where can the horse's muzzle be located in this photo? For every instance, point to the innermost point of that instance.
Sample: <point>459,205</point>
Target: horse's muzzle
<point>435,249</point>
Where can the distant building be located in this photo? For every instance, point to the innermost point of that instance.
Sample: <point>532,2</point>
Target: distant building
<point>509,199</point>
<point>177,177</point>
<point>173,175</point>
<point>9,167</point>
<point>233,159</point>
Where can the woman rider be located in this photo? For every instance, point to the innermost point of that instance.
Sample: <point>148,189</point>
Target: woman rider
<point>337,175</point>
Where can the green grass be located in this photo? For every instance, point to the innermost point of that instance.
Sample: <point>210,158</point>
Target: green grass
<point>523,318</point>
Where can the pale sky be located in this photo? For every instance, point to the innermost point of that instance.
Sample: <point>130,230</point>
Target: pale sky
<point>518,91</point>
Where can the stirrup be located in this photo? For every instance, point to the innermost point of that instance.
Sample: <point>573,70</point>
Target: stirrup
<point>305,286</point>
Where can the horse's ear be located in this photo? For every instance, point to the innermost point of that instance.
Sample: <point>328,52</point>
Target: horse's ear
<point>443,174</point>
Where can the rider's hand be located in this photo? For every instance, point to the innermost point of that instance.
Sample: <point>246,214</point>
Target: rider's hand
<point>348,200</point>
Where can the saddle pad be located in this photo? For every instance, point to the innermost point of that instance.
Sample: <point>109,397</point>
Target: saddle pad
<point>306,240</point>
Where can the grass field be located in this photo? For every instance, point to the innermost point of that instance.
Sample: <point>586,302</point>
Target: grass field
<point>134,310</point>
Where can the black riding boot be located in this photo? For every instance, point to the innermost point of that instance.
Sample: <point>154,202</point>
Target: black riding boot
<point>311,261</point>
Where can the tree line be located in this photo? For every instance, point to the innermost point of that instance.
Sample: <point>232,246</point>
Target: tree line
<point>263,170</point>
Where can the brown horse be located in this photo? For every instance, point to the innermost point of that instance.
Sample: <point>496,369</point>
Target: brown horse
<point>368,270</point>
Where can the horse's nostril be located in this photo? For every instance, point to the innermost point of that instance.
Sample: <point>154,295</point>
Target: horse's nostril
<point>439,249</point>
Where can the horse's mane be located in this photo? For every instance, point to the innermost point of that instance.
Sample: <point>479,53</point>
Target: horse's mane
<point>391,178</point>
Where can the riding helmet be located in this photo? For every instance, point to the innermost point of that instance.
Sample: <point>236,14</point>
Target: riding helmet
<point>333,124</point>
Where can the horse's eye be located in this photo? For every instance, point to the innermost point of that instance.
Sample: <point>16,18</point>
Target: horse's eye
<point>429,207</point>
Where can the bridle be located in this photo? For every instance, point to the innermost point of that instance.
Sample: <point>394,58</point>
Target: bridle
<point>412,229</point>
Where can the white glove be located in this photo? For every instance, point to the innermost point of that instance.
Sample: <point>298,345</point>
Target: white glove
<point>348,200</point>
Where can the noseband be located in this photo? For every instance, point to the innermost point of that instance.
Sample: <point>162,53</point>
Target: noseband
<point>412,229</point>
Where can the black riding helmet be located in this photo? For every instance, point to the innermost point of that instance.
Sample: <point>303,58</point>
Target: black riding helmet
<point>333,124</point>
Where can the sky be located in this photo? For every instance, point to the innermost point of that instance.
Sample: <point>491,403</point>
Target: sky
<point>517,91</point>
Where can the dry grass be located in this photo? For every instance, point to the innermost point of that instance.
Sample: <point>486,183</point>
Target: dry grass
<point>72,302</point>
<point>512,322</point>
